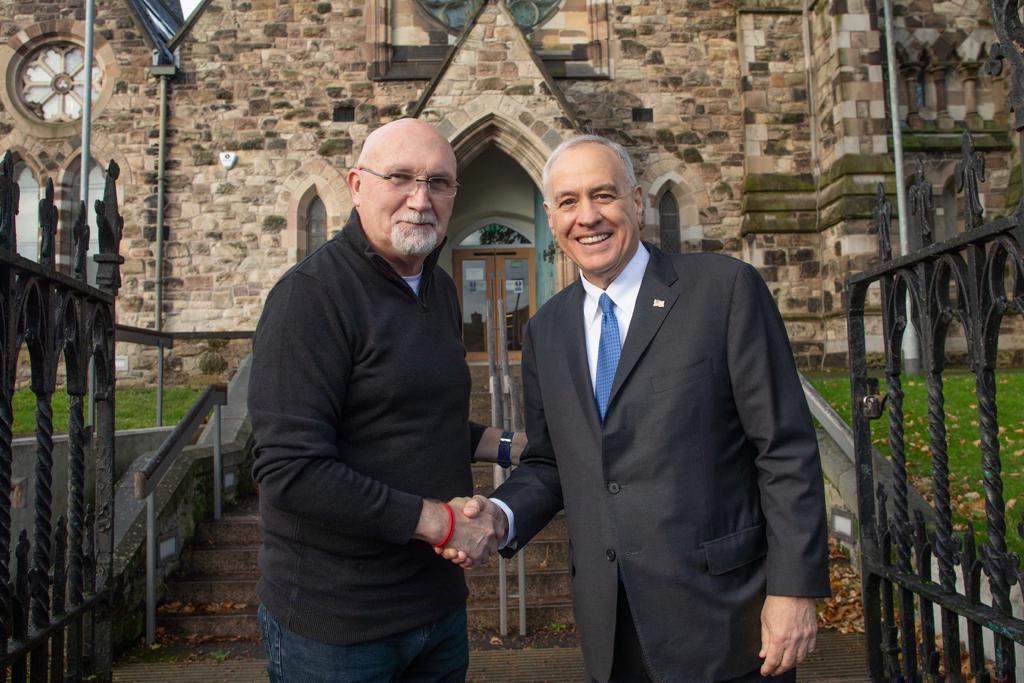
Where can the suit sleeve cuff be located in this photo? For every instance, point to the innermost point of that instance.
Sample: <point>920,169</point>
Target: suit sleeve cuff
<point>510,516</point>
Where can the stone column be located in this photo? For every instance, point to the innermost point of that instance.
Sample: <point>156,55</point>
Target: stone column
<point>910,71</point>
<point>377,49</point>
<point>942,118</point>
<point>969,77</point>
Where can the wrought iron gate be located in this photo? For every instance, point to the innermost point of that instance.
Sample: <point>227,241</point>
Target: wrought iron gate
<point>54,617</point>
<point>974,279</point>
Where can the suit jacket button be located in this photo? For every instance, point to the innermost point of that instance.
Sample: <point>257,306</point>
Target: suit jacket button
<point>613,487</point>
<point>610,554</point>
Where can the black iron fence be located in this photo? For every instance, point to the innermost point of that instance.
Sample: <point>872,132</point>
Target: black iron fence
<point>54,616</point>
<point>913,567</point>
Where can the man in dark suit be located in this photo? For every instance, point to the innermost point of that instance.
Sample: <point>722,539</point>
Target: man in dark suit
<point>665,415</point>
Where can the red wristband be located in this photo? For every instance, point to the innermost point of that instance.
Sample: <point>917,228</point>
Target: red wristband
<point>451,527</point>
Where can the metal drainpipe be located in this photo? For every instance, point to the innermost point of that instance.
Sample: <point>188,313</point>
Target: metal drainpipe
<point>83,191</point>
<point>911,354</point>
<point>164,76</point>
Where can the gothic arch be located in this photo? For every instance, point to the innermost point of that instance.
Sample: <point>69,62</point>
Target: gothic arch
<point>314,179</point>
<point>470,137</point>
<point>686,199</point>
<point>21,155</point>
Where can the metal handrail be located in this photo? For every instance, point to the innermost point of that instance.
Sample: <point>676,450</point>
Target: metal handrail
<point>831,422</point>
<point>148,478</point>
<point>165,340</point>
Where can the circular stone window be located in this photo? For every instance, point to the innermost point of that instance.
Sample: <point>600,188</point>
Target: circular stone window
<point>51,82</point>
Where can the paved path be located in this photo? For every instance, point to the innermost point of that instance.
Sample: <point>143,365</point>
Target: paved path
<point>838,659</point>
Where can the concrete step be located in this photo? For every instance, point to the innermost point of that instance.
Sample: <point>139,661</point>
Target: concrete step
<point>238,588</point>
<point>240,529</point>
<point>545,553</point>
<point>219,561</point>
<point>540,614</point>
<point>234,624</point>
<point>484,584</point>
<point>241,560</point>
<point>244,624</point>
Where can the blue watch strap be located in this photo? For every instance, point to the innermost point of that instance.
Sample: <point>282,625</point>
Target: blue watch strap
<point>505,450</point>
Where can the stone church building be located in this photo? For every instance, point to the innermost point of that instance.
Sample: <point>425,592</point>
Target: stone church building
<point>758,127</point>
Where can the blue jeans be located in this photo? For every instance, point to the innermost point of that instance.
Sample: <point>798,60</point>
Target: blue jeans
<point>436,652</point>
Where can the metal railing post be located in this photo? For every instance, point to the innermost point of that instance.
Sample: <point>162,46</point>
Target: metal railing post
<point>151,568</point>
<point>160,383</point>
<point>512,422</point>
<point>497,419</point>
<point>218,466</point>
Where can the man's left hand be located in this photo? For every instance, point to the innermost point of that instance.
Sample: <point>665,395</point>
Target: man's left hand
<point>788,631</point>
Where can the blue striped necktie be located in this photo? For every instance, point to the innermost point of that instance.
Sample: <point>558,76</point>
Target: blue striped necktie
<point>607,354</point>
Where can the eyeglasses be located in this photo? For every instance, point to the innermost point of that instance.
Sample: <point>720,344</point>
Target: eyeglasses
<point>439,186</point>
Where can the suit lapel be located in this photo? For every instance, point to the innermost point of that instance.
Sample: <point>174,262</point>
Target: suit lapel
<point>576,353</point>
<point>658,293</point>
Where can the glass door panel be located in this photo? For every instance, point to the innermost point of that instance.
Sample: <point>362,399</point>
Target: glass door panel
<point>481,275</point>
<point>518,295</point>
<point>473,281</point>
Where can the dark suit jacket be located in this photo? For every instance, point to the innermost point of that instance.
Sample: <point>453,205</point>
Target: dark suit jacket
<point>702,491</point>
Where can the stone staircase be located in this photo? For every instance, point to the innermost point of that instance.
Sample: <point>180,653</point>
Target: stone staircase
<point>213,594</point>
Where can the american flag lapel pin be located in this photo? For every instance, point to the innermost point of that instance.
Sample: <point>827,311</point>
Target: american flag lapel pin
<point>658,303</point>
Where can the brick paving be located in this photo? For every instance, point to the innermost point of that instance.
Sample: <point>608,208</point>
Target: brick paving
<point>838,659</point>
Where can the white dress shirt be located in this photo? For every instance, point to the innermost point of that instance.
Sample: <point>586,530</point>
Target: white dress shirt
<point>623,291</point>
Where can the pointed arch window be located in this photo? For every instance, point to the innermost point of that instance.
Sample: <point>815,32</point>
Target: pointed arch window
<point>668,222</point>
<point>27,221</point>
<point>97,183</point>
<point>316,224</point>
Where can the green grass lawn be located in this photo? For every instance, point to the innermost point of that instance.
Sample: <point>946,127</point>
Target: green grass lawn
<point>134,408</point>
<point>966,489</point>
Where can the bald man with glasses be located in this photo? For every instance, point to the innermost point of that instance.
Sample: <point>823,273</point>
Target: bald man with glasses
<point>359,399</point>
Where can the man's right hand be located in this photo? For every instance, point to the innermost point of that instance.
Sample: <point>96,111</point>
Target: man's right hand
<point>480,527</point>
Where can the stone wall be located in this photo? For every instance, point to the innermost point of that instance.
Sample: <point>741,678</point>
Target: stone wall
<point>767,160</point>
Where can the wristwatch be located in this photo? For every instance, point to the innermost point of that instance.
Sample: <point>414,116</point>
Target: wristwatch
<point>505,450</point>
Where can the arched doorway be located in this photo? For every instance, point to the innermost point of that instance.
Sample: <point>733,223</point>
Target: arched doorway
<point>496,240</point>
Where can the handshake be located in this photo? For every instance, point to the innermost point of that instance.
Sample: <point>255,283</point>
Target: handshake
<point>466,531</point>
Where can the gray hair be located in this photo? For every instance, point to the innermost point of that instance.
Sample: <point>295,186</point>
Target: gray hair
<point>620,152</point>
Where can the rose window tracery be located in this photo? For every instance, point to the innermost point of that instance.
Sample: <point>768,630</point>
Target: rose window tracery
<point>52,82</point>
<point>454,14</point>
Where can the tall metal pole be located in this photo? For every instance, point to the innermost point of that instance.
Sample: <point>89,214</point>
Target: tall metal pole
<point>83,187</point>
<point>158,285</point>
<point>911,355</point>
<point>90,19</point>
<point>514,423</point>
<point>497,420</point>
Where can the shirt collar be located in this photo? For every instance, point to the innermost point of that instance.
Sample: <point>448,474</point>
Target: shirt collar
<point>623,290</point>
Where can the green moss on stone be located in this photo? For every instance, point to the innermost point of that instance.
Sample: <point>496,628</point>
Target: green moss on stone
<point>526,89</point>
<point>692,156</point>
<point>778,182</point>
<point>204,157</point>
<point>251,144</point>
<point>296,114</point>
<point>274,223</point>
<point>335,147</point>
<point>1013,189</point>
<point>860,164</point>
